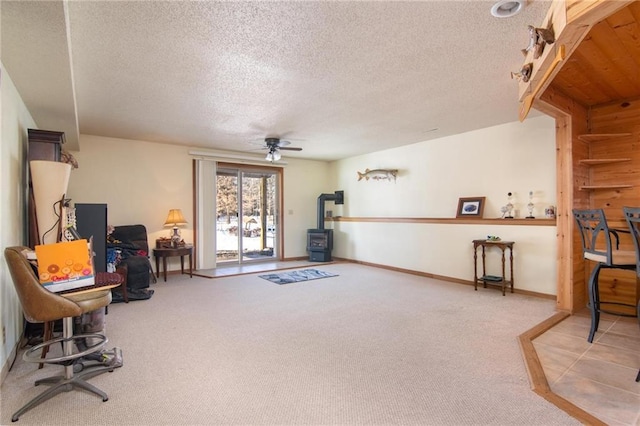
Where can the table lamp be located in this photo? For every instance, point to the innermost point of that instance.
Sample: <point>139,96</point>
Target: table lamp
<point>174,219</point>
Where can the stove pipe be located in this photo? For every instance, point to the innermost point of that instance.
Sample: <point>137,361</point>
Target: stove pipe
<point>337,197</point>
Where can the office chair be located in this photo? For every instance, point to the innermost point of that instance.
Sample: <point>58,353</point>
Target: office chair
<point>41,305</point>
<point>597,247</point>
<point>632,214</point>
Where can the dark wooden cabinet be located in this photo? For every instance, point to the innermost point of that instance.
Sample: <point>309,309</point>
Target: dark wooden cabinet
<point>43,145</point>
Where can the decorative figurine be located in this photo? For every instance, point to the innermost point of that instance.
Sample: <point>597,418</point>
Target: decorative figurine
<point>530,206</point>
<point>550,212</point>
<point>378,174</point>
<point>525,72</point>
<point>538,38</point>
<point>504,210</point>
<point>509,206</point>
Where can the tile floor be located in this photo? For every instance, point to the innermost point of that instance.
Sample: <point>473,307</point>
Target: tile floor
<point>598,377</point>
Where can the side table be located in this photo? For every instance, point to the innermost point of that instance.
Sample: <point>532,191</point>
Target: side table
<point>492,279</point>
<point>171,252</point>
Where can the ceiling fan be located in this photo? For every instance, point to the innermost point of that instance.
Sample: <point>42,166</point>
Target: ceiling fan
<point>274,145</point>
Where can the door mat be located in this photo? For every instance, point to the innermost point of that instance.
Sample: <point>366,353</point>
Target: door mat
<point>296,276</point>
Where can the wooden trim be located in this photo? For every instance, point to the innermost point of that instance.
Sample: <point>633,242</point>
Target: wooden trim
<point>590,12</point>
<point>589,187</point>
<point>446,220</point>
<point>438,277</point>
<point>594,137</point>
<point>194,209</point>
<point>597,161</point>
<point>538,379</point>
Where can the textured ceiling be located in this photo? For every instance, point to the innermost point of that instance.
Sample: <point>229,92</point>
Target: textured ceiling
<point>336,78</point>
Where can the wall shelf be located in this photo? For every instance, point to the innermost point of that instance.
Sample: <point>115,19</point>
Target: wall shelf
<point>596,161</point>
<point>595,187</point>
<point>593,137</point>
<point>448,221</point>
<point>602,137</point>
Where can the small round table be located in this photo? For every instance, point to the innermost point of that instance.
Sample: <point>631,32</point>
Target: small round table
<point>171,252</point>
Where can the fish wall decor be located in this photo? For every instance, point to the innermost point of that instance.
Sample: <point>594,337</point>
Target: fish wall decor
<point>378,174</point>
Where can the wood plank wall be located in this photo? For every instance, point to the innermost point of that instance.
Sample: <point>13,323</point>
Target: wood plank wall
<point>581,200</point>
<point>619,117</point>
<point>571,121</point>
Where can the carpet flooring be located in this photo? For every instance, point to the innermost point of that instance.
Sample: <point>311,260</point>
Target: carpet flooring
<point>368,347</point>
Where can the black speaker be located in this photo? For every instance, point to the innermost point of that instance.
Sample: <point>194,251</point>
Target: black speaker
<point>91,221</point>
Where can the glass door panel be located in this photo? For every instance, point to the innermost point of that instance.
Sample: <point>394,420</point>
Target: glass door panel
<point>258,210</point>
<point>227,242</point>
<point>246,215</point>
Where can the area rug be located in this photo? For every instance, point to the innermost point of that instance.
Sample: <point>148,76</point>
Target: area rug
<point>296,276</point>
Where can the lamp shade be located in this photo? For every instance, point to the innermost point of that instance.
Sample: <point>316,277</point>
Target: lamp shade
<point>175,218</point>
<point>49,180</point>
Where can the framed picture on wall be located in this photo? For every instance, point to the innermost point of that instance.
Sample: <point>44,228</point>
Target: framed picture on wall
<point>470,207</point>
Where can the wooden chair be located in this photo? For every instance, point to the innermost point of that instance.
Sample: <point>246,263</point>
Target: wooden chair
<point>632,214</point>
<point>41,305</point>
<point>597,246</point>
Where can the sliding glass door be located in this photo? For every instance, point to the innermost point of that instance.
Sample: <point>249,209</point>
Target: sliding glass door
<point>247,208</point>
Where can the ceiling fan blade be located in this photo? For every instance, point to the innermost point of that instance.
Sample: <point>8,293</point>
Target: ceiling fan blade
<point>293,148</point>
<point>280,143</point>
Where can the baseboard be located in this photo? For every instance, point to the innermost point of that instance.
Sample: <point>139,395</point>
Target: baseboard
<point>440,277</point>
<point>292,259</point>
<point>5,368</point>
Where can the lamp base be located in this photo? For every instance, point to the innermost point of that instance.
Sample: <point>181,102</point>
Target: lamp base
<point>175,237</point>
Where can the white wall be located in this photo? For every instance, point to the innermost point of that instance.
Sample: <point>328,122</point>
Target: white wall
<point>15,122</point>
<point>433,175</point>
<point>140,181</point>
<point>304,181</point>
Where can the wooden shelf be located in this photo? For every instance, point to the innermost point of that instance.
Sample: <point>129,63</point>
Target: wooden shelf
<point>594,187</point>
<point>593,137</point>
<point>541,221</point>
<point>596,161</point>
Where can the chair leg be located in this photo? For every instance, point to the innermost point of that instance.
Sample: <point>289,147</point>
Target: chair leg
<point>638,377</point>
<point>47,334</point>
<point>68,381</point>
<point>594,302</point>
<point>123,272</point>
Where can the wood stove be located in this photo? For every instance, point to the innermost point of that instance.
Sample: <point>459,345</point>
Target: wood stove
<point>320,240</point>
<point>319,244</point>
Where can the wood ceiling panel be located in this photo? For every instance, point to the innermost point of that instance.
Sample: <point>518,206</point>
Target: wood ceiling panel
<point>576,80</point>
<point>605,67</point>
<point>617,51</point>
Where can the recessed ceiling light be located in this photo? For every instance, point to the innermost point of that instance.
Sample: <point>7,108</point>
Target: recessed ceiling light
<point>507,8</point>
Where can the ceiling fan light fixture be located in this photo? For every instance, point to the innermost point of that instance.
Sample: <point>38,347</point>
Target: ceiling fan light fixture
<point>507,8</point>
<point>273,155</point>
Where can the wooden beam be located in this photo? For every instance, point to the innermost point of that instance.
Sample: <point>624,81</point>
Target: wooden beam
<point>590,12</point>
<point>525,107</point>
